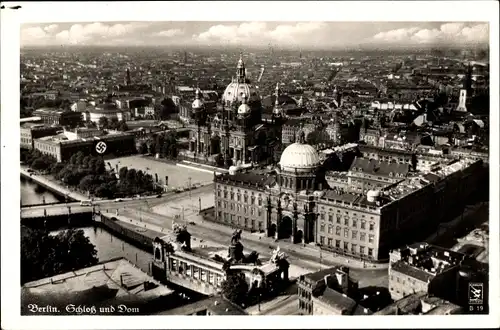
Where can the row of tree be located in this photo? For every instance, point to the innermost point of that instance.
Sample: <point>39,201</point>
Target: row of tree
<point>37,160</point>
<point>88,173</point>
<point>113,124</point>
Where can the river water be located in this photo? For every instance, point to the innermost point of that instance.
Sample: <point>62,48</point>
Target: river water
<point>107,245</point>
<point>31,193</point>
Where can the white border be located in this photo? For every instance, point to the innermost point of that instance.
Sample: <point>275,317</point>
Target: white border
<point>222,11</point>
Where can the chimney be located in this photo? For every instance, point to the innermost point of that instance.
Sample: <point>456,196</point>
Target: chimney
<point>366,310</point>
<point>121,280</point>
<point>216,303</point>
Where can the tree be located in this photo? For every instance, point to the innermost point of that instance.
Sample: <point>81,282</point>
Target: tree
<point>103,122</point>
<point>113,123</point>
<point>122,126</point>
<point>39,164</point>
<point>235,288</point>
<point>87,183</point>
<point>44,255</point>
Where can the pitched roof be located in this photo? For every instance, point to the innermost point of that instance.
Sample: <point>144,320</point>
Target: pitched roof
<point>337,300</point>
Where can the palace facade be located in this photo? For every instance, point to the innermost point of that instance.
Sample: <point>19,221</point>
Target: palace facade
<point>379,204</point>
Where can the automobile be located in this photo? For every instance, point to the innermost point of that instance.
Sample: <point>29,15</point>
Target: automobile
<point>119,200</point>
<point>159,196</point>
<point>192,223</point>
<point>86,203</point>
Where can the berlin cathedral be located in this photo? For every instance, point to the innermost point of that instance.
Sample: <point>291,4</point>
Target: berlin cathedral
<point>235,133</point>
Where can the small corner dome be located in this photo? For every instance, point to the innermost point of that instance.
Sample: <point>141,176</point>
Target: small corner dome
<point>299,156</point>
<point>372,195</point>
<point>197,104</point>
<point>244,107</point>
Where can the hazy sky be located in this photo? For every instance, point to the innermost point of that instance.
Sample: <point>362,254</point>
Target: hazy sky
<point>284,34</point>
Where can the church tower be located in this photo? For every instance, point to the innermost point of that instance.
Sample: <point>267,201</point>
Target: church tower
<point>277,110</point>
<point>127,79</point>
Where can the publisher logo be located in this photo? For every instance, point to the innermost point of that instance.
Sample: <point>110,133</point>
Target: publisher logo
<point>476,293</point>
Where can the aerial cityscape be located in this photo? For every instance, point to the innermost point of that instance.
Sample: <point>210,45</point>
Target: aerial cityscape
<point>254,168</point>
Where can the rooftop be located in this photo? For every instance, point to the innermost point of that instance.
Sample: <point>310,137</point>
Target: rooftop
<point>116,280</point>
<point>338,300</point>
<point>424,261</point>
<point>375,167</point>
<point>216,305</point>
<point>249,178</point>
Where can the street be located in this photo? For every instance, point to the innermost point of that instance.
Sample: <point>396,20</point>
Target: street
<point>220,234</point>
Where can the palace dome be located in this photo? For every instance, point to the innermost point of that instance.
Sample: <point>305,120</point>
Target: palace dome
<point>300,156</point>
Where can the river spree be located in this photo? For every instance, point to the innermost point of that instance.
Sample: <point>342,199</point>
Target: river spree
<point>31,193</point>
<point>107,245</point>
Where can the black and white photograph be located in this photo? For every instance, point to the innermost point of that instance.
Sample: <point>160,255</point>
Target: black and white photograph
<point>220,166</point>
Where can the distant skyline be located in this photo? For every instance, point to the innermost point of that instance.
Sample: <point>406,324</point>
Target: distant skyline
<point>256,34</point>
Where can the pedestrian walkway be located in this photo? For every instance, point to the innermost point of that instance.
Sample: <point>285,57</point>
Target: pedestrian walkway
<point>42,180</point>
<point>201,167</point>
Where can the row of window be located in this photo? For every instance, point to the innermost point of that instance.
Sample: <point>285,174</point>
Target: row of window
<point>239,220</point>
<point>307,307</point>
<point>354,233</point>
<point>362,250</point>
<point>301,183</point>
<point>238,208</point>
<point>45,147</point>
<point>304,294</point>
<point>346,220</point>
<point>237,197</point>
<point>403,281</point>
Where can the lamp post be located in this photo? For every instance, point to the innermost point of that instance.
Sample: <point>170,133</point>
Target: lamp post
<point>260,296</point>
<point>320,256</point>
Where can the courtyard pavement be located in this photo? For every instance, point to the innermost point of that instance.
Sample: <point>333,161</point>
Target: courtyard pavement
<point>177,176</point>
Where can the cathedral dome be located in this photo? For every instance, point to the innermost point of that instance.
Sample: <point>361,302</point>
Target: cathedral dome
<point>299,156</point>
<point>240,87</point>
<point>236,90</point>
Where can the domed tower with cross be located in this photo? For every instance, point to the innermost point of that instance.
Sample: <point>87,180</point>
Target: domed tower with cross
<point>235,134</point>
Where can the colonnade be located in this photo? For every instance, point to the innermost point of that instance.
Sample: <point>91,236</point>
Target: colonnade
<point>197,272</point>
